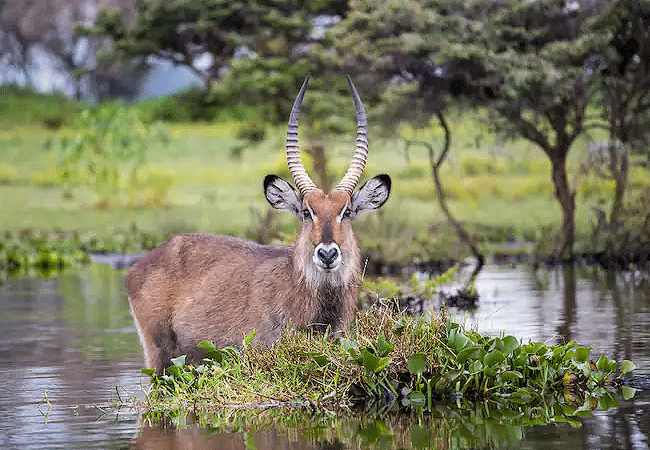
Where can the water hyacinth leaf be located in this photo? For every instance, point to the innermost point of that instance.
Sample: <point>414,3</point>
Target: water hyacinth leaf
<point>627,392</point>
<point>441,385</point>
<point>510,344</point>
<point>187,376</point>
<point>627,366</point>
<point>582,354</point>
<point>458,340</point>
<point>371,363</point>
<point>569,378</point>
<point>149,372</point>
<point>475,353</point>
<point>383,363</point>
<point>211,352</point>
<point>179,361</point>
<point>607,401</point>
<point>417,363</point>
<point>174,370</point>
<point>493,358</point>
<point>510,375</point>
<point>523,395</point>
<point>206,345</point>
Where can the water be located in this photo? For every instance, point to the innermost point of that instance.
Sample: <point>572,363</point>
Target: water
<point>68,351</point>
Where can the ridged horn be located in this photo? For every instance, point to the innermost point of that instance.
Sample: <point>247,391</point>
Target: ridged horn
<point>296,167</point>
<point>358,162</point>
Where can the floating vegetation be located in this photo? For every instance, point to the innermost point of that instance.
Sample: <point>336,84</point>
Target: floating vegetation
<point>50,251</point>
<point>394,360</point>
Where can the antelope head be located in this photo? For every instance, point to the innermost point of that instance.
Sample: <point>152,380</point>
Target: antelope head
<point>326,240</point>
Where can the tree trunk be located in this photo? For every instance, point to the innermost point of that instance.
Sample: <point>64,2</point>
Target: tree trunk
<point>316,150</point>
<point>620,178</point>
<point>566,197</point>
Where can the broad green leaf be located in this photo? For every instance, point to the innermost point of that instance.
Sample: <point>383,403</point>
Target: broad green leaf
<point>493,358</point>
<point>457,340</point>
<point>608,401</point>
<point>383,363</point>
<point>206,345</point>
<point>605,364</point>
<point>476,367</point>
<point>179,361</point>
<point>474,353</point>
<point>523,395</point>
<point>417,363</point>
<point>582,354</point>
<point>627,366</point>
<point>373,364</point>
<point>509,375</point>
<point>510,344</point>
<point>627,392</point>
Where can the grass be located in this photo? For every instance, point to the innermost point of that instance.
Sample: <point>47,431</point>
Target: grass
<point>390,357</point>
<point>196,183</point>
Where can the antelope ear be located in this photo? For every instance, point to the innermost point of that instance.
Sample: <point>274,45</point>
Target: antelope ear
<point>281,195</point>
<point>372,195</point>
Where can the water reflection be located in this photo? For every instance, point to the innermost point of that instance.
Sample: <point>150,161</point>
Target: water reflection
<point>448,427</point>
<point>67,341</point>
<point>72,337</point>
<point>605,310</point>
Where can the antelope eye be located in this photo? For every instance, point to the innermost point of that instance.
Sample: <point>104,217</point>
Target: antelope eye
<point>346,213</point>
<point>306,214</point>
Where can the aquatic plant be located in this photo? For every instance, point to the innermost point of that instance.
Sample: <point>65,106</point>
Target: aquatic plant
<point>50,251</point>
<point>391,358</point>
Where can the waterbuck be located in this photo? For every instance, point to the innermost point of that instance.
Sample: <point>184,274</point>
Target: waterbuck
<point>200,287</point>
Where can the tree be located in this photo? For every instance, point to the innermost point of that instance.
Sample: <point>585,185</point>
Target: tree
<point>392,47</point>
<point>621,65</point>
<point>534,81</point>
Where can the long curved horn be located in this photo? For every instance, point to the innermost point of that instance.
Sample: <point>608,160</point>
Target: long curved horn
<point>296,167</point>
<point>358,163</point>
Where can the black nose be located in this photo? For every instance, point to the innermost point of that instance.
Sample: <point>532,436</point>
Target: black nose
<point>328,256</point>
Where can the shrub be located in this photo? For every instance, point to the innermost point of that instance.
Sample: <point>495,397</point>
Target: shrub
<point>106,150</point>
<point>25,106</point>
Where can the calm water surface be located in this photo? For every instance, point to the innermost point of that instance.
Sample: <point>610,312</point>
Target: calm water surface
<point>68,351</point>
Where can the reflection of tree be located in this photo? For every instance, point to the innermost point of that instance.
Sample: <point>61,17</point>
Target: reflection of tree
<point>623,341</point>
<point>565,330</point>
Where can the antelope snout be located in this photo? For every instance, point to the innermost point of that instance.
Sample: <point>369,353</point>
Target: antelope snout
<point>327,256</point>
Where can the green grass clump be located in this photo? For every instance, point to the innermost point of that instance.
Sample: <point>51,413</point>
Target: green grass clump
<point>25,106</point>
<point>50,251</point>
<point>392,357</point>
